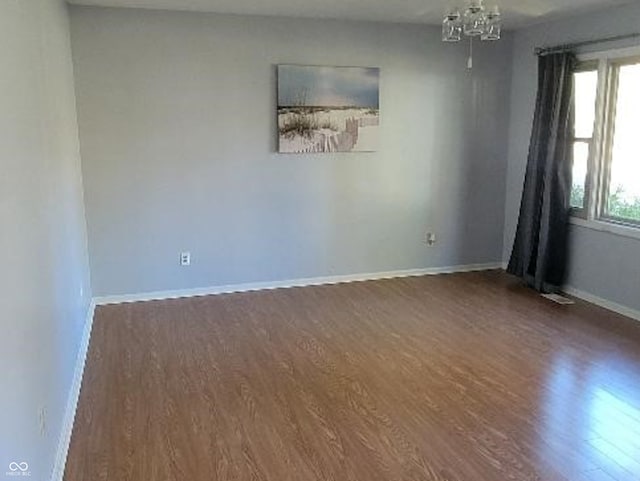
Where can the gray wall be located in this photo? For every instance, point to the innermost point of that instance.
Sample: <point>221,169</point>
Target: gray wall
<point>44,291</point>
<point>602,264</point>
<point>177,127</point>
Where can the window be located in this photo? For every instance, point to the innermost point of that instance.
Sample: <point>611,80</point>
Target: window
<point>606,139</point>
<point>585,93</point>
<point>623,188</point>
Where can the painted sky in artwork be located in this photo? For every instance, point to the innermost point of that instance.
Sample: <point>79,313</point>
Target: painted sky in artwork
<point>328,86</point>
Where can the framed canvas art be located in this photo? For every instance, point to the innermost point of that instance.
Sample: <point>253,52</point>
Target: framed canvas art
<point>328,109</point>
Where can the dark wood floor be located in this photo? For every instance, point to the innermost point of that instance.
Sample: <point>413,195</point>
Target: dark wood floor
<point>466,377</point>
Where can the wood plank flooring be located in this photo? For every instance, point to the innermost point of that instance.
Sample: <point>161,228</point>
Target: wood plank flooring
<point>465,377</point>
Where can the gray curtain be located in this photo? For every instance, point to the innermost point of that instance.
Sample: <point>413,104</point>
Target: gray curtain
<point>539,253</point>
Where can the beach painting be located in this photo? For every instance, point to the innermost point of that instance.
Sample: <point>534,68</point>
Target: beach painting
<point>328,109</point>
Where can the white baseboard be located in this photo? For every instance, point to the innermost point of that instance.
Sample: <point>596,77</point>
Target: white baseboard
<point>72,400</point>
<point>313,281</point>
<point>599,301</point>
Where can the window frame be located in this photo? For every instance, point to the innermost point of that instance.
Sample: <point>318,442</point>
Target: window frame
<point>583,212</point>
<point>597,182</point>
<point>614,74</point>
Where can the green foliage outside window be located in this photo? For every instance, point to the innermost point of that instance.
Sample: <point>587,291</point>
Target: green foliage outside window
<point>619,204</point>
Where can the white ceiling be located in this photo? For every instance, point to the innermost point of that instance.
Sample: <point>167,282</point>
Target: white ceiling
<point>516,12</point>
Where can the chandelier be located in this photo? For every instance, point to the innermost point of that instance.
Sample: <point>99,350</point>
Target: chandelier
<point>475,21</point>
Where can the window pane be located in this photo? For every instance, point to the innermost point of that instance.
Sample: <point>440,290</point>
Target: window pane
<point>586,89</point>
<point>580,162</point>
<point>624,187</point>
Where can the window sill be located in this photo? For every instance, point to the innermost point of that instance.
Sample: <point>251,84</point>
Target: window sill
<point>611,228</point>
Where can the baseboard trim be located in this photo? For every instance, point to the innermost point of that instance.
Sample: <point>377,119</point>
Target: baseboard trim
<point>72,400</point>
<point>313,281</point>
<point>598,301</point>
<point>605,303</point>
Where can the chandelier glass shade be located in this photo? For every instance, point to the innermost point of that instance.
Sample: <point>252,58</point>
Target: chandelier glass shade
<point>475,21</point>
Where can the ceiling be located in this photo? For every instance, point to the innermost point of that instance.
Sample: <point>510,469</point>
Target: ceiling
<point>516,12</point>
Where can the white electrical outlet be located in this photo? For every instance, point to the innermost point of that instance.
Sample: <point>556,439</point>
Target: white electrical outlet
<point>430,239</point>
<point>185,258</point>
